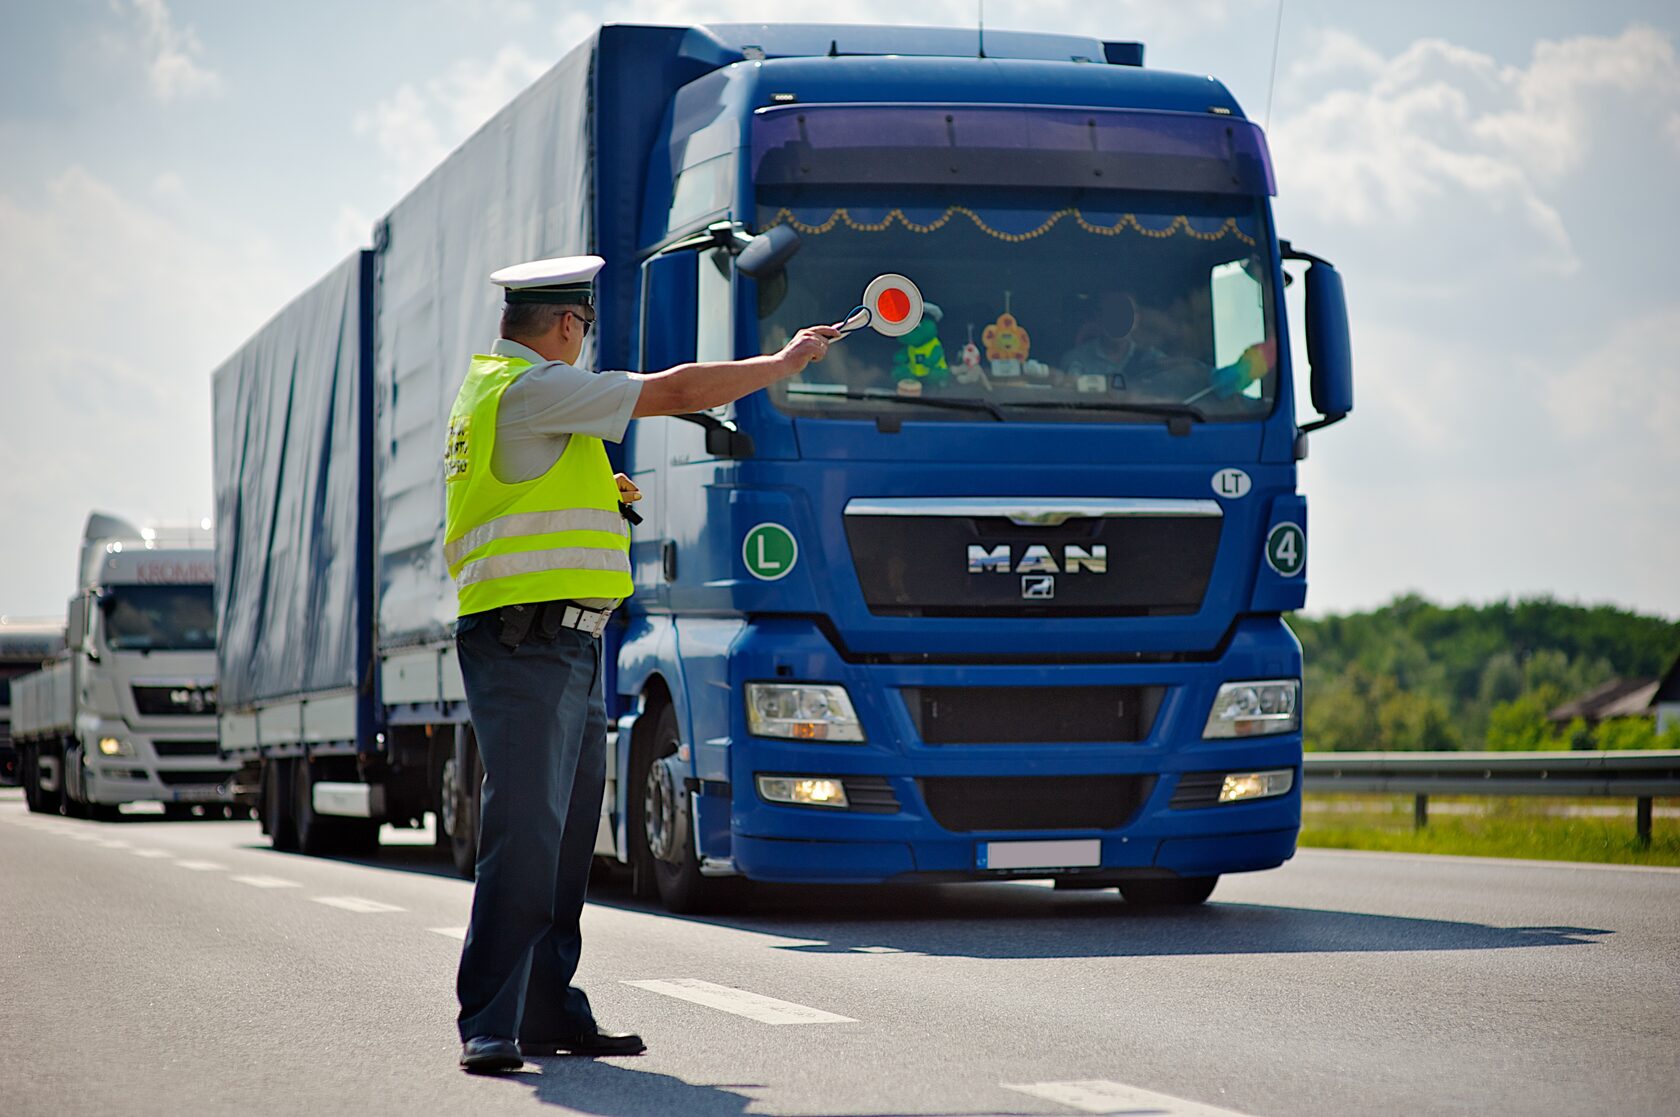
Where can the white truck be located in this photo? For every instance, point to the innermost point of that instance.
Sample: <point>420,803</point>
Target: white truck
<point>127,712</point>
<point>25,645</point>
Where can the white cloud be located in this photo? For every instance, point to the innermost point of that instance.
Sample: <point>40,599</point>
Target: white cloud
<point>172,54</point>
<point>114,316</point>
<point>416,126</point>
<point>1440,129</point>
<point>1622,393</point>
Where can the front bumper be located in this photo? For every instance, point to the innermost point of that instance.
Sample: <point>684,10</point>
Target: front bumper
<point>779,842</point>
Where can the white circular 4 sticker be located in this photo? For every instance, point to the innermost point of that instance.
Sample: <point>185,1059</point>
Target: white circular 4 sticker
<point>1232,483</point>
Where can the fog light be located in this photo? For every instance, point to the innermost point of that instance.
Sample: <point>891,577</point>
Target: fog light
<point>115,746</point>
<point>803,791</point>
<point>1256,785</point>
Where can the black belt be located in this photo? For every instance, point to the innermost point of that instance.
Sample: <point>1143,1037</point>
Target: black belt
<point>546,619</point>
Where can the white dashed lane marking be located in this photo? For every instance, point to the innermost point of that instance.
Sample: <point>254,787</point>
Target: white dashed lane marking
<point>268,882</point>
<point>150,852</point>
<point>450,932</point>
<point>356,904</point>
<point>1098,1095</point>
<point>114,843</point>
<point>200,866</point>
<point>766,1010</point>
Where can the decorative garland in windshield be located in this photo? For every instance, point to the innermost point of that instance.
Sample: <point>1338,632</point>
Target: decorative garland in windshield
<point>1128,220</point>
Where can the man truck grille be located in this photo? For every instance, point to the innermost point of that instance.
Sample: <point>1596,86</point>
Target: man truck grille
<point>969,803</point>
<point>954,565</point>
<point>182,776</point>
<point>168,701</point>
<point>186,748</point>
<point>1029,715</point>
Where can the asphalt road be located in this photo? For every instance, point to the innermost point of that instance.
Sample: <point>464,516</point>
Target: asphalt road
<point>170,967</point>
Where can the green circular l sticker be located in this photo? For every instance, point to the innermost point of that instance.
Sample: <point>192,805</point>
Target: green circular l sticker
<point>769,551</point>
<point>1286,549</point>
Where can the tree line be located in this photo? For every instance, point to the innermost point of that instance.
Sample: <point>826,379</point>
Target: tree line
<point>1417,675</point>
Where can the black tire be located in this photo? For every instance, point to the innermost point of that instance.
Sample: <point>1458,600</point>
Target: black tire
<point>458,803</point>
<point>105,812</point>
<point>68,804</point>
<point>663,838</point>
<point>1177,892</point>
<point>327,835</point>
<point>29,774</point>
<point>277,815</point>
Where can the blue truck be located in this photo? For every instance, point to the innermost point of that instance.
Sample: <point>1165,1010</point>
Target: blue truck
<point>999,597</point>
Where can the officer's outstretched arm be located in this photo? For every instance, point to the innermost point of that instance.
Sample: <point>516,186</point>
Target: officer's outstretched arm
<point>695,387</point>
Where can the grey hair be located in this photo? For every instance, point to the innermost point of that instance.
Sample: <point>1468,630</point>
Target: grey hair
<point>532,319</point>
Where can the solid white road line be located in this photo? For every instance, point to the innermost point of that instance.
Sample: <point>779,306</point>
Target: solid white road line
<point>201,866</point>
<point>450,932</point>
<point>1097,1095</point>
<point>356,904</point>
<point>766,1010</point>
<point>268,882</point>
<point>151,852</point>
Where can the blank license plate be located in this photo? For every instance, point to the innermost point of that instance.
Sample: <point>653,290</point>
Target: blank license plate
<point>1082,853</point>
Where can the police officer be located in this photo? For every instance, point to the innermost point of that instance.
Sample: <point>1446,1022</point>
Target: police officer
<point>536,540</point>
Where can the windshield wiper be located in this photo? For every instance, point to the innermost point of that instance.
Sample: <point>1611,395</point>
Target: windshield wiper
<point>1177,415</point>
<point>894,397</point>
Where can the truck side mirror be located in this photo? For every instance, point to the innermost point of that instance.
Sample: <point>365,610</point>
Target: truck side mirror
<point>768,252</point>
<point>75,624</point>
<point>1329,349</point>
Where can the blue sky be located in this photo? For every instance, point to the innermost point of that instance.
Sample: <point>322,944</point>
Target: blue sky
<point>1493,179</point>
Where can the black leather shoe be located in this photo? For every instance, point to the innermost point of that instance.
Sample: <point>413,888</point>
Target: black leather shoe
<point>589,1044</point>
<point>490,1055</point>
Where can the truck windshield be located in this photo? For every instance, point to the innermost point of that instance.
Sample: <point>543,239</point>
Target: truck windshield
<point>1115,307</point>
<point>159,618</point>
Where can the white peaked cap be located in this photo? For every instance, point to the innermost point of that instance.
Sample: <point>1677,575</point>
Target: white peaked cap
<point>561,275</point>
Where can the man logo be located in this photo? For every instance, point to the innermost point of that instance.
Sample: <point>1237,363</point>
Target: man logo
<point>1037,559</point>
<point>1038,587</point>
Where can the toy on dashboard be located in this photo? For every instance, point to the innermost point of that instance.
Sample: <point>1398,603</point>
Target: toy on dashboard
<point>1007,343</point>
<point>967,368</point>
<point>921,356</point>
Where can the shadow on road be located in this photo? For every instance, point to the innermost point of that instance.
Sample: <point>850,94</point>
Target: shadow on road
<point>1016,921</point>
<point>607,1089</point>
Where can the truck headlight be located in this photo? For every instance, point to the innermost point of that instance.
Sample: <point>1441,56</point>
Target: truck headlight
<point>115,746</point>
<point>1255,708</point>
<point>1239,786</point>
<point>803,791</point>
<point>802,712</point>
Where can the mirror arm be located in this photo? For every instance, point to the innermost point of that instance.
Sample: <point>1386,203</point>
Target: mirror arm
<point>1320,424</point>
<point>723,438</point>
<point>1290,252</point>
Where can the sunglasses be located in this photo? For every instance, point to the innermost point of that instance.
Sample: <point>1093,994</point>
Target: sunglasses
<point>587,322</point>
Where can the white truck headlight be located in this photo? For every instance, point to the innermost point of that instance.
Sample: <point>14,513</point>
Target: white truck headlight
<point>1253,709</point>
<point>803,791</point>
<point>115,746</point>
<point>802,712</point>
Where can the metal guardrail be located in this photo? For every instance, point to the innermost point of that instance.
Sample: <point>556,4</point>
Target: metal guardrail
<point>1638,775</point>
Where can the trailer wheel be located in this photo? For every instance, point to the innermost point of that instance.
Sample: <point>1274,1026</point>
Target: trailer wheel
<point>29,774</point>
<point>460,777</point>
<point>1176,892</point>
<point>277,805</point>
<point>664,837</point>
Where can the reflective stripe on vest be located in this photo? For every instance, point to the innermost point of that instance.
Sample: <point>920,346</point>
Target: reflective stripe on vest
<point>556,536</point>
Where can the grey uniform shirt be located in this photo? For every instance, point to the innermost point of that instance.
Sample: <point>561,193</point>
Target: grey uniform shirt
<point>550,402</point>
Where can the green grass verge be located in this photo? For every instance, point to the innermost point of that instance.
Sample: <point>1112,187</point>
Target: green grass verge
<point>1515,827</point>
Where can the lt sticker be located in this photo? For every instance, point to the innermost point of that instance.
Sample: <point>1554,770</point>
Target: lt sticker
<point>770,552</point>
<point>1231,483</point>
<point>1286,549</point>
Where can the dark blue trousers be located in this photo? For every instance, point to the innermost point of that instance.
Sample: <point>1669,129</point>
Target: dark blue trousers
<point>538,713</point>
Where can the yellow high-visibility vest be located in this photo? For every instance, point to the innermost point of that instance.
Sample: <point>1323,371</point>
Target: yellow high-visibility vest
<point>553,537</point>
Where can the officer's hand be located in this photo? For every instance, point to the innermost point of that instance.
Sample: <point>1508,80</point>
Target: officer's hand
<point>627,490</point>
<point>809,344</point>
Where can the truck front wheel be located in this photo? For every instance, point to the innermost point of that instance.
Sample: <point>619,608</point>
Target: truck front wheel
<point>277,816</point>
<point>664,839</point>
<point>1174,892</point>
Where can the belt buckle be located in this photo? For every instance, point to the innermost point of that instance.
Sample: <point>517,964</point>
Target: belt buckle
<point>585,620</point>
